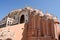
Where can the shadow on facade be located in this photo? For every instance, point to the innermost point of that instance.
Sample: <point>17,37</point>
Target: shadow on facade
<point>59,37</point>
<point>8,39</point>
<point>24,34</point>
<point>3,25</point>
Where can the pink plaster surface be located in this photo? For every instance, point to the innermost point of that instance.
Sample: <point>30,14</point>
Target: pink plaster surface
<point>17,29</point>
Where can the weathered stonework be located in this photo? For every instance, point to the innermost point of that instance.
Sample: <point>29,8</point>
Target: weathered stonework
<point>38,26</point>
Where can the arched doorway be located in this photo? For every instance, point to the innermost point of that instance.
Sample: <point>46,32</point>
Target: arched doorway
<point>59,37</point>
<point>22,19</point>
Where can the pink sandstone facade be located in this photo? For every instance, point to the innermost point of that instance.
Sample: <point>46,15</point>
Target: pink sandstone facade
<point>29,24</point>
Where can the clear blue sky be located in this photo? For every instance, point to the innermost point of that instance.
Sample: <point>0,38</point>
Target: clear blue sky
<point>52,6</point>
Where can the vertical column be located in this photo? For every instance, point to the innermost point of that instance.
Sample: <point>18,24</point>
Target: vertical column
<point>25,33</point>
<point>33,25</point>
<point>44,26</point>
<point>52,28</point>
<point>48,27</point>
<point>39,25</point>
<point>35,28</point>
<point>56,28</point>
<point>29,27</point>
<point>32,30</point>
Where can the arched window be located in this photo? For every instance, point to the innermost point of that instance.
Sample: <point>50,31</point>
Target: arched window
<point>22,19</point>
